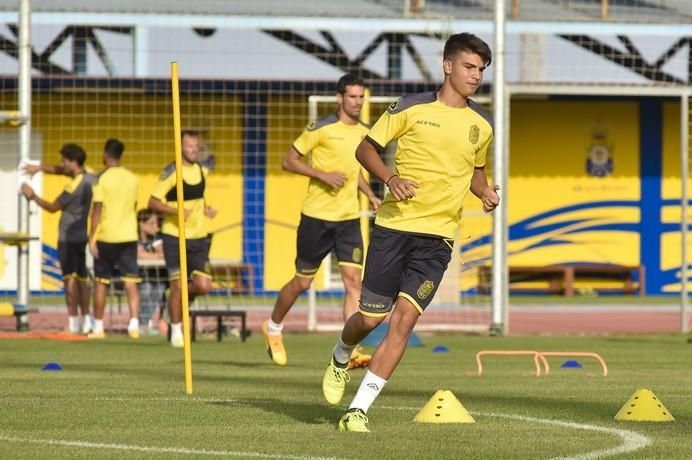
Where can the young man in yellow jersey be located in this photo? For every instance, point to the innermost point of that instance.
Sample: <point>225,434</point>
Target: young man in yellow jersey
<point>113,236</point>
<point>330,214</point>
<point>74,202</point>
<point>443,139</point>
<point>163,200</point>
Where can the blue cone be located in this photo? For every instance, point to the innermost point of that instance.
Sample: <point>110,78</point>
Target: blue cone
<point>440,349</point>
<point>572,364</point>
<point>52,367</point>
<point>376,335</point>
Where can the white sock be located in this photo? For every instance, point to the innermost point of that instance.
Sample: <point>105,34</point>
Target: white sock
<point>342,352</point>
<point>274,328</point>
<point>134,324</point>
<point>98,325</point>
<point>369,389</point>
<point>177,330</point>
<point>87,320</point>
<point>73,323</point>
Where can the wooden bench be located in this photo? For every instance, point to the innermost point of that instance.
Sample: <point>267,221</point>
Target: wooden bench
<point>219,314</point>
<point>233,275</point>
<point>561,278</point>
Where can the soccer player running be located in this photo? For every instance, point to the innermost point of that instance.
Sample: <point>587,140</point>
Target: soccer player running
<point>113,236</point>
<point>163,200</point>
<point>443,138</point>
<point>74,202</point>
<point>329,218</point>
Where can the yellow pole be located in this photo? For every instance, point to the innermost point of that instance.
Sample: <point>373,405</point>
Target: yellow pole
<point>364,202</point>
<point>182,246</point>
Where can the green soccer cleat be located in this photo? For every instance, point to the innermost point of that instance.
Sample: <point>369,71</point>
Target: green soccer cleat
<point>354,420</point>
<point>334,382</point>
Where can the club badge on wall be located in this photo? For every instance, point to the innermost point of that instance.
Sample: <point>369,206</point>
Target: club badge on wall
<point>599,162</point>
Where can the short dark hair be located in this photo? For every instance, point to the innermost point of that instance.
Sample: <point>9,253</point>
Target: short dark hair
<point>144,215</point>
<point>73,152</point>
<point>348,80</point>
<point>469,43</point>
<point>190,133</point>
<point>114,148</point>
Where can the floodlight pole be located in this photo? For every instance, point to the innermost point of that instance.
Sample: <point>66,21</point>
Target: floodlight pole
<point>24,94</point>
<point>500,291</point>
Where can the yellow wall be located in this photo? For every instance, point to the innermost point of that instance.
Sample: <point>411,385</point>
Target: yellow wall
<point>144,124</point>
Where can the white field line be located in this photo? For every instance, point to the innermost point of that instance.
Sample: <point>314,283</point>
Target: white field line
<point>154,450</point>
<point>631,441</point>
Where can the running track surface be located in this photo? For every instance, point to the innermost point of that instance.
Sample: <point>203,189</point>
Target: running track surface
<point>573,320</point>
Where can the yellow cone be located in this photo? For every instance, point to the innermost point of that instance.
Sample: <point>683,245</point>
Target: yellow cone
<point>644,406</point>
<point>443,407</point>
<point>6,309</point>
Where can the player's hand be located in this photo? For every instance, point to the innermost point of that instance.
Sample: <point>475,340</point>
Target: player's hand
<point>490,198</point>
<point>210,212</point>
<point>402,189</point>
<point>93,249</point>
<point>31,169</point>
<point>186,213</point>
<point>375,202</point>
<point>28,192</point>
<point>335,180</point>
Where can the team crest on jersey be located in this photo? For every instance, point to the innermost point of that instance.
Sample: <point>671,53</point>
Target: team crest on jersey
<point>310,126</point>
<point>357,254</point>
<point>425,289</point>
<point>474,134</point>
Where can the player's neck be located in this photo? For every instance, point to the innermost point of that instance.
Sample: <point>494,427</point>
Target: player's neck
<point>447,96</point>
<point>346,119</point>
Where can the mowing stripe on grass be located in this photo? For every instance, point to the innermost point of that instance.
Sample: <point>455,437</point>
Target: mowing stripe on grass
<point>156,450</point>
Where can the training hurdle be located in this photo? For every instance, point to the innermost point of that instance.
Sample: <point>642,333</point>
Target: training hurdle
<point>539,357</point>
<point>536,356</point>
<point>586,354</point>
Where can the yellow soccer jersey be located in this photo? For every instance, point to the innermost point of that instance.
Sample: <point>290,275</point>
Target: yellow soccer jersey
<point>333,145</point>
<point>438,147</point>
<point>194,185</point>
<point>116,190</point>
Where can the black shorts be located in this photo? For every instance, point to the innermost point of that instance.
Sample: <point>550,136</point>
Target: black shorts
<point>197,250</point>
<point>72,258</point>
<point>116,259</point>
<point>317,238</point>
<point>402,265</point>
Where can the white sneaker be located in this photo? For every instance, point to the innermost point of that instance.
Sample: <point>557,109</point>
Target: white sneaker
<point>86,327</point>
<point>177,341</point>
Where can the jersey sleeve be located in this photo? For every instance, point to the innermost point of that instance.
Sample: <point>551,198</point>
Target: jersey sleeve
<point>97,193</point>
<point>483,152</point>
<point>307,140</point>
<point>390,126</point>
<point>164,185</point>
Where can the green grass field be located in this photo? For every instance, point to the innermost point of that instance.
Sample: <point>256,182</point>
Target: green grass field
<point>126,399</point>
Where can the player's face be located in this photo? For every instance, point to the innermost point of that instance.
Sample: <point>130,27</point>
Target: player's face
<point>150,226</point>
<point>351,102</point>
<point>190,146</point>
<point>464,72</point>
<point>69,165</point>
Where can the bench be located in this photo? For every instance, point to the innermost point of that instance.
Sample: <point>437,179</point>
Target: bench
<point>561,278</point>
<point>219,314</point>
<point>232,275</point>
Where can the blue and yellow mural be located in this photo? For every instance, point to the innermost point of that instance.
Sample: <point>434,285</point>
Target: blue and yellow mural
<point>591,181</point>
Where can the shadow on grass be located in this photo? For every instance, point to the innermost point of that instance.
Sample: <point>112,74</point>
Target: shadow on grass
<point>304,412</point>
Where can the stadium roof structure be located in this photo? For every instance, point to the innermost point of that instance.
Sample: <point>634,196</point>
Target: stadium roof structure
<point>629,11</point>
